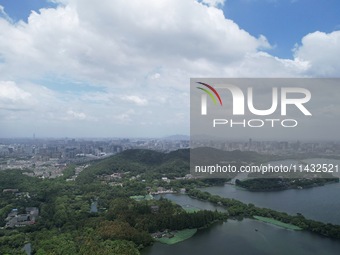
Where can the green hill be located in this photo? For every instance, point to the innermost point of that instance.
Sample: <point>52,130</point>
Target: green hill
<point>140,161</point>
<point>157,164</point>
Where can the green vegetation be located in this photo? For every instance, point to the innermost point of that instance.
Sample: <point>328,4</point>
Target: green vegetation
<point>141,198</point>
<point>239,210</point>
<point>272,184</point>
<point>277,223</point>
<point>191,209</point>
<point>122,225</point>
<point>152,164</point>
<point>178,236</point>
<point>216,155</point>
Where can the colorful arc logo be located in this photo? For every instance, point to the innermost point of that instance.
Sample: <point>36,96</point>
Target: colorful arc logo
<point>209,90</point>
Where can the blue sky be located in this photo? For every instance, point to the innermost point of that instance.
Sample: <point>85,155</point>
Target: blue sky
<point>20,10</point>
<point>284,22</point>
<point>123,67</point>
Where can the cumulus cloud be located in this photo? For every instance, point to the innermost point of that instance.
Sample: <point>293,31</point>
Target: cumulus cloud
<point>76,115</point>
<point>124,117</point>
<point>138,53</point>
<point>4,14</point>
<point>9,91</point>
<point>321,51</point>
<point>155,76</point>
<point>130,38</point>
<point>136,100</point>
<point>214,2</point>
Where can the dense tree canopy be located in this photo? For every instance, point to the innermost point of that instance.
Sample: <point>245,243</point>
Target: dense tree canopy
<point>120,225</point>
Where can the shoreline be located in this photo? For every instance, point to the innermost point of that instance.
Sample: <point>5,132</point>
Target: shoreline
<point>277,223</point>
<point>178,236</point>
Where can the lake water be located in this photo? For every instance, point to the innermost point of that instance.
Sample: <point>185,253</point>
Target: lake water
<point>240,237</point>
<point>319,203</point>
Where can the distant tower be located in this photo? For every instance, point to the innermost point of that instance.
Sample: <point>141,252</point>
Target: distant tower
<point>250,142</point>
<point>33,136</point>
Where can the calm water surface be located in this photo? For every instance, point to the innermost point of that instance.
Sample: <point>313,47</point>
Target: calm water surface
<point>319,203</point>
<point>240,237</point>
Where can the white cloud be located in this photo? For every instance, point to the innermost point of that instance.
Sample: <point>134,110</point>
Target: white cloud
<point>321,51</point>
<point>138,53</point>
<point>129,40</point>
<point>9,91</point>
<point>124,117</point>
<point>261,64</point>
<point>76,115</point>
<point>155,76</point>
<point>4,14</point>
<point>214,2</point>
<point>135,99</point>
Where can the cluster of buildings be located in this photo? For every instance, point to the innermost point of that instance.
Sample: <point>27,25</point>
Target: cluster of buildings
<point>17,193</point>
<point>28,153</point>
<point>70,149</point>
<point>272,147</point>
<point>14,219</point>
<point>36,168</point>
<point>114,179</point>
<point>48,158</point>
